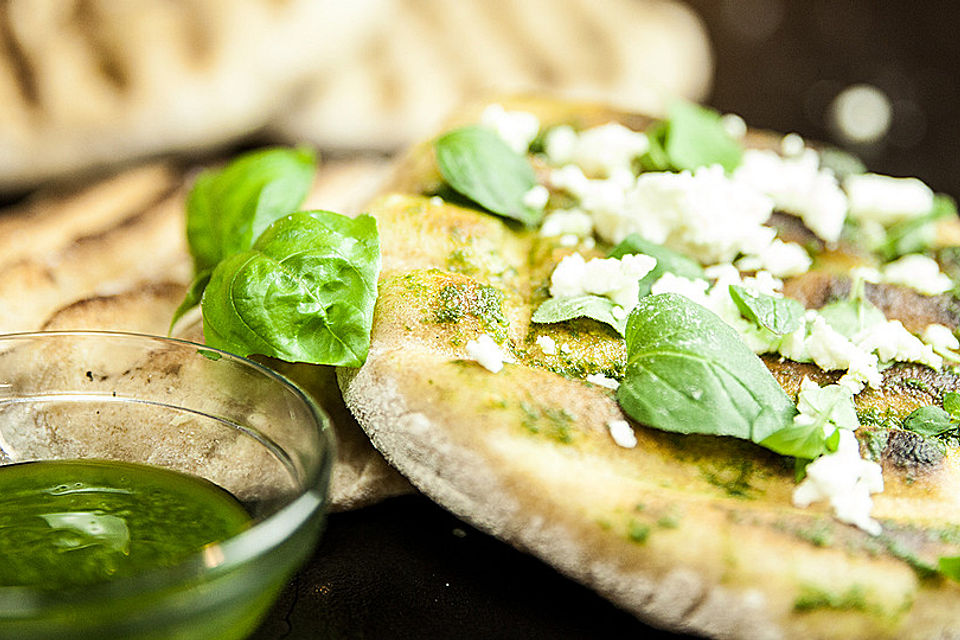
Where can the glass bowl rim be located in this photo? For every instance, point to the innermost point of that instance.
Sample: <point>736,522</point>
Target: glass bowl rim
<point>257,540</point>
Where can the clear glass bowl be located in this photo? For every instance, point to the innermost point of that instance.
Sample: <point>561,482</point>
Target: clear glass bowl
<point>183,406</point>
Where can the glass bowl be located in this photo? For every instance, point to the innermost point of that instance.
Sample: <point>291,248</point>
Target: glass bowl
<point>186,407</point>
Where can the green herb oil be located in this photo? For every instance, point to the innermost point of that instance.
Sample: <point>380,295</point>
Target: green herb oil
<point>70,523</point>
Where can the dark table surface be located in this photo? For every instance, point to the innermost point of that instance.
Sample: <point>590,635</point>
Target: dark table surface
<point>408,569</point>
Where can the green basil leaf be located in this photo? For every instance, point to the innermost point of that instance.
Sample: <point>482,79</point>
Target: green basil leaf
<point>779,315</point>
<point>801,441</point>
<point>831,403</point>
<point>305,292</point>
<point>688,372</point>
<point>668,261</point>
<point>477,164</point>
<point>951,403</point>
<point>929,421</point>
<point>227,209</point>
<point>193,297</point>
<point>850,317</point>
<point>695,138</point>
<point>593,307</point>
<point>916,234</point>
<point>949,566</point>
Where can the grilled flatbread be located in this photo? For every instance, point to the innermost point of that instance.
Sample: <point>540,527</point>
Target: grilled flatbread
<point>695,534</point>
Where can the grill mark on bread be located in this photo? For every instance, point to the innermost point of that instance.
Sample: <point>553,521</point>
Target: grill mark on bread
<point>19,63</point>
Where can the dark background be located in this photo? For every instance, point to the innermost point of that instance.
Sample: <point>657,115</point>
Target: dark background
<point>406,568</point>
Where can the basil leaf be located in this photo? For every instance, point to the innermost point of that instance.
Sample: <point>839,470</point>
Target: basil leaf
<point>668,261</point>
<point>916,234</point>
<point>951,403</point>
<point>305,292</point>
<point>928,421</point>
<point>695,138</point>
<point>656,158</point>
<point>594,307</point>
<point>227,209</point>
<point>831,404</point>
<point>779,315</point>
<point>688,372</point>
<point>949,566</point>
<point>477,164</point>
<point>801,441</point>
<point>193,297</point>
<point>850,317</point>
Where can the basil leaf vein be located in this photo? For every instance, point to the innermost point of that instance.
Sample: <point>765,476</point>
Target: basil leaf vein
<point>477,164</point>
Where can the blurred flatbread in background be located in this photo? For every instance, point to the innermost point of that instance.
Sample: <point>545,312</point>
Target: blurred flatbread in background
<point>89,83</point>
<point>112,256</point>
<point>437,55</point>
<point>93,82</point>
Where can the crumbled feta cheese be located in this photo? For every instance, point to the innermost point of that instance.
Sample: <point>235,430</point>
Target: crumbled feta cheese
<point>517,128</point>
<point>831,350</point>
<point>799,186</point>
<point>918,272</point>
<point>734,125</point>
<point>617,279</point>
<point>704,215</point>
<point>845,480</point>
<point>622,433</point>
<point>940,337</point>
<point>783,259</point>
<point>566,349</point>
<point>536,198</point>
<point>892,342</point>
<point>885,199</point>
<point>547,344</point>
<point>566,222</point>
<point>603,381</point>
<point>436,201</point>
<point>867,274</point>
<point>487,353</point>
<point>601,151</point>
<point>569,240</point>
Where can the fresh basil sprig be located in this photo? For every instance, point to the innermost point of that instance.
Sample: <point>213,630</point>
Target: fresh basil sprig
<point>477,164</point>
<point>228,209</point>
<point>692,136</point>
<point>689,372</point>
<point>850,317</point>
<point>668,261</point>
<point>779,315</point>
<point>304,292</point>
<point>594,307</point>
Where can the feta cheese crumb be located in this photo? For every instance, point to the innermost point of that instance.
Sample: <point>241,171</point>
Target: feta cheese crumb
<point>617,279</point>
<point>536,198</point>
<point>601,151</point>
<point>831,350</point>
<point>622,433</point>
<point>547,344</point>
<point>792,144</point>
<point>892,342</point>
<point>704,214</point>
<point>436,201</point>
<point>487,353</point>
<point>782,259</point>
<point>918,272</point>
<point>603,381</point>
<point>566,349</point>
<point>886,199</point>
<point>940,337</point>
<point>845,480</point>
<point>566,222</point>
<point>799,186</point>
<point>517,128</point>
<point>734,125</point>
